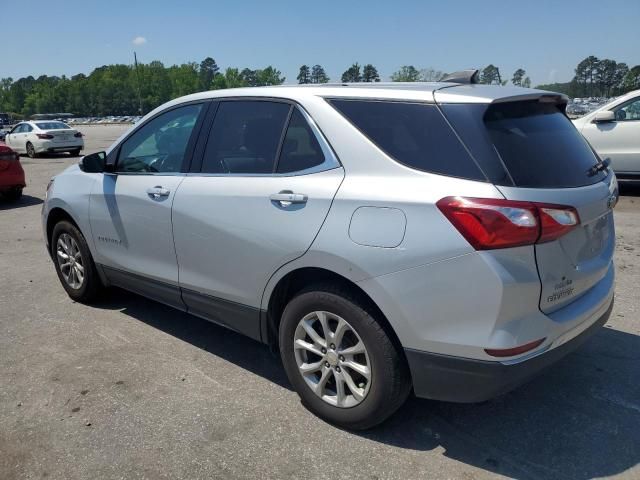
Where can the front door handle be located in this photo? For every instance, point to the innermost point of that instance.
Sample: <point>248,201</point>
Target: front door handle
<point>286,198</point>
<point>158,192</point>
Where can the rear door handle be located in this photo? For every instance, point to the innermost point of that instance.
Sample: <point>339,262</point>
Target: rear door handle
<point>287,198</point>
<point>158,192</point>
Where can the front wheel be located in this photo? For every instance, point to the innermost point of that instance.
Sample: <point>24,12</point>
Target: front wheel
<point>340,359</point>
<point>74,263</point>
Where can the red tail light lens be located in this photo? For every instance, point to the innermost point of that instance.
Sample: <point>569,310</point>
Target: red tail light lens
<point>44,136</point>
<point>510,352</point>
<point>497,223</point>
<point>78,135</point>
<point>7,153</point>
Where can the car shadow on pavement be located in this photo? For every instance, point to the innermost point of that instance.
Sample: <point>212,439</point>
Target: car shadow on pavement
<point>25,201</point>
<point>579,419</point>
<point>220,341</point>
<point>629,189</point>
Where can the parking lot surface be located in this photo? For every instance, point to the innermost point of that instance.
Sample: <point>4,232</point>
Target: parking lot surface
<point>129,388</point>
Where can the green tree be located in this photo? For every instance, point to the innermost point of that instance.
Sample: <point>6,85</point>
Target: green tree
<point>370,73</point>
<point>232,78</point>
<point>526,83</point>
<point>318,75</point>
<point>407,73</point>
<point>305,75</point>
<point>352,74</point>
<point>269,76</point>
<point>518,77</point>
<point>631,80</point>
<point>491,75</point>
<point>208,70</point>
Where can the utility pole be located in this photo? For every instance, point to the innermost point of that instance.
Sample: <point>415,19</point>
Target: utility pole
<point>135,61</point>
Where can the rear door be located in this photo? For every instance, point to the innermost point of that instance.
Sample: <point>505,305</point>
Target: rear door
<point>618,140</point>
<point>550,162</point>
<point>256,201</point>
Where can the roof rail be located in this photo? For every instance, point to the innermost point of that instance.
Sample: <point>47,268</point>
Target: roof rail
<point>463,76</point>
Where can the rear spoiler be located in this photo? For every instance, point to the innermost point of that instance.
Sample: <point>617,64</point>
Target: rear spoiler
<point>489,94</point>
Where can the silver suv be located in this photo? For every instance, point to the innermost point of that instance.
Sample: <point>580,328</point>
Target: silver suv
<point>449,239</point>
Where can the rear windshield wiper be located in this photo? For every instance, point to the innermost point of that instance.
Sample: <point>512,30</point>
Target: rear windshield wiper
<point>598,167</point>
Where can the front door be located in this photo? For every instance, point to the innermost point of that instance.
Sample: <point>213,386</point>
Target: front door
<point>17,138</point>
<point>618,140</point>
<point>130,209</point>
<point>257,202</point>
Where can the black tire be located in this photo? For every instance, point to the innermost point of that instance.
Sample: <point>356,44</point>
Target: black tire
<point>31,151</point>
<point>390,381</point>
<point>75,153</point>
<point>91,284</point>
<point>14,195</point>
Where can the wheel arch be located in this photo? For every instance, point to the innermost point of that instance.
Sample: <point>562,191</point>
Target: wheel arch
<point>57,215</point>
<point>301,278</point>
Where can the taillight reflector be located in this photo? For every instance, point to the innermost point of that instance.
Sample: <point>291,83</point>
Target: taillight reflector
<point>510,352</point>
<point>488,223</point>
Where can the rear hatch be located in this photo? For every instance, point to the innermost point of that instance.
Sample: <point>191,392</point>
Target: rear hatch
<point>530,150</point>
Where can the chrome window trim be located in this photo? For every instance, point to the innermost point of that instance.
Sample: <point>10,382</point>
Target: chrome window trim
<point>330,158</point>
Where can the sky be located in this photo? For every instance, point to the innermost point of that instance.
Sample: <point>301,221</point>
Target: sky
<point>546,38</point>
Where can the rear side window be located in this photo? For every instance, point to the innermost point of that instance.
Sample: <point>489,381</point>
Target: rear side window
<point>414,134</point>
<point>535,142</point>
<point>300,150</point>
<point>245,137</point>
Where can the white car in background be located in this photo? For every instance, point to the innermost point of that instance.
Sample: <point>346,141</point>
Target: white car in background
<point>42,136</point>
<point>613,130</point>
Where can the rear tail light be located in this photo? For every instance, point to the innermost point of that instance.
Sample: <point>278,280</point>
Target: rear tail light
<point>497,223</point>
<point>78,135</point>
<point>44,136</point>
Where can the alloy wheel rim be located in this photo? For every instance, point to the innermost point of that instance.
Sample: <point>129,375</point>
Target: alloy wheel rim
<point>332,359</point>
<point>70,261</point>
<point>30,150</point>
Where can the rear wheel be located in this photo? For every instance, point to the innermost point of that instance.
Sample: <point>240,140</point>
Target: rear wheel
<point>340,359</point>
<point>31,151</point>
<point>74,263</point>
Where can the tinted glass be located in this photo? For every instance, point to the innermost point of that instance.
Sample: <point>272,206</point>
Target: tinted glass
<point>628,112</point>
<point>245,137</point>
<point>17,129</point>
<point>539,145</point>
<point>413,134</point>
<point>26,128</point>
<point>300,149</point>
<point>52,125</point>
<point>160,145</point>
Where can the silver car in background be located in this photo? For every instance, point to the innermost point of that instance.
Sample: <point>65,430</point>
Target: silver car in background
<point>449,239</point>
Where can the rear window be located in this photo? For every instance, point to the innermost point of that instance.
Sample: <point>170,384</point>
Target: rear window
<point>414,134</point>
<point>52,125</point>
<point>535,142</point>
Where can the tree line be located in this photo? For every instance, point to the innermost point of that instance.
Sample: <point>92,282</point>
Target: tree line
<point>136,89</point>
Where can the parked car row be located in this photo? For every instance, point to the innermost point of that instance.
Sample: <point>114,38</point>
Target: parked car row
<point>103,120</point>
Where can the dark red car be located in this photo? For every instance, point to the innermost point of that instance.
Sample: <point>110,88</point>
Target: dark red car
<point>11,173</point>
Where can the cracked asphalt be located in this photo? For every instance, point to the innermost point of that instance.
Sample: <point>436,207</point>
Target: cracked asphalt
<point>130,389</point>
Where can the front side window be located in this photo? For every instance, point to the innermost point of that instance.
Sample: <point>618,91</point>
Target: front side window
<point>160,145</point>
<point>26,128</point>
<point>245,137</point>
<point>629,111</point>
<point>17,129</point>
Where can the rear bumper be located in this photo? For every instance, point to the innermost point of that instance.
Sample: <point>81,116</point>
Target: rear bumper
<point>455,379</point>
<point>12,180</point>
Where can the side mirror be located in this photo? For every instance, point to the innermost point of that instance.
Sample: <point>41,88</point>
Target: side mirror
<point>604,117</point>
<point>94,163</point>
